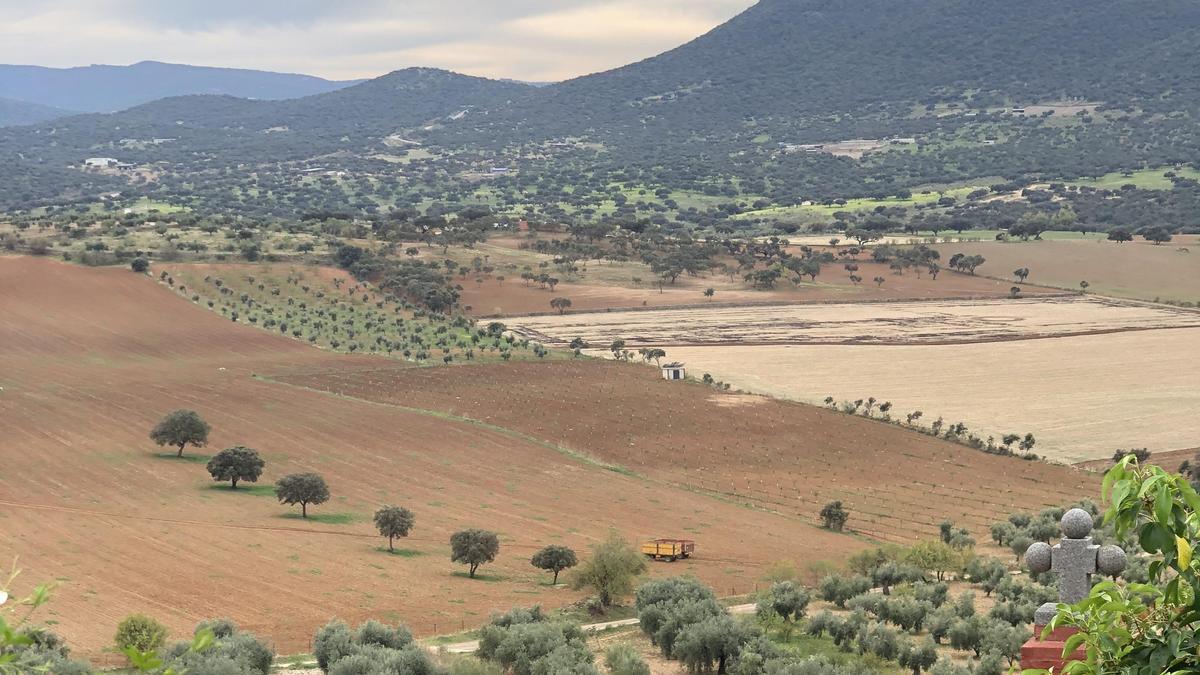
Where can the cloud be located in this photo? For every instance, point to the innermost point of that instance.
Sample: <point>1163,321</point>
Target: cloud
<point>535,40</point>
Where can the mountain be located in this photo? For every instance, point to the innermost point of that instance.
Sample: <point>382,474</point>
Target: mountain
<point>15,113</point>
<point>713,116</point>
<point>400,99</point>
<point>795,63</point>
<point>103,88</point>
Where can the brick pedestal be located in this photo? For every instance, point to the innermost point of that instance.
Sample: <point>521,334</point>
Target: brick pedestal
<point>1048,653</point>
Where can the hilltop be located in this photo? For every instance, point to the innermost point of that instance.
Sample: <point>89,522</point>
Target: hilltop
<point>108,88</point>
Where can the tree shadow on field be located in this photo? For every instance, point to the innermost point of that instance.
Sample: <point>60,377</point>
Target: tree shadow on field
<point>189,459</point>
<point>479,576</point>
<point>252,490</point>
<point>326,518</point>
<point>402,552</point>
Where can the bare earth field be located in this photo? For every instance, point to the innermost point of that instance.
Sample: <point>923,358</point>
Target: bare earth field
<point>91,358</point>
<point>1138,269</point>
<point>752,450</point>
<point>606,286</point>
<point>1082,397</point>
<point>932,322</point>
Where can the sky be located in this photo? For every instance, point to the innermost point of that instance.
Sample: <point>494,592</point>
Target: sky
<point>531,40</point>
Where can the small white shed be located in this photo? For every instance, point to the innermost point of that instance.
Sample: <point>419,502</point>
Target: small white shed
<point>673,371</point>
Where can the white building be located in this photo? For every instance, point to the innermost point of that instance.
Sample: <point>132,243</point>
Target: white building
<point>673,371</point>
<point>100,163</point>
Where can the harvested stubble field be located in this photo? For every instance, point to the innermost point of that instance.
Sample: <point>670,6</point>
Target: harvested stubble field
<point>933,322</point>
<point>1082,397</point>
<point>1138,270</point>
<point>771,455</point>
<point>91,358</point>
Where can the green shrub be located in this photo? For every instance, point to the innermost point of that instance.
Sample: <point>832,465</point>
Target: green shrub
<point>623,659</point>
<point>140,632</point>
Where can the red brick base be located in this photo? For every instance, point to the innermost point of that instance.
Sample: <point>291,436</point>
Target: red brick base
<point>1048,653</point>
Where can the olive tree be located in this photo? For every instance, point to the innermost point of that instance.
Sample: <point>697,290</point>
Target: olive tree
<point>611,570</point>
<point>181,428</point>
<point>473,548</point>
<point>555,559</point>
<point>302,489</point>
<point>834,516</point>
<point>392,522</point>
<point>236,463</point>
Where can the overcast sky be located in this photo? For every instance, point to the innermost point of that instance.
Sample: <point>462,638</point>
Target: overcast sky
<point>535,40</point>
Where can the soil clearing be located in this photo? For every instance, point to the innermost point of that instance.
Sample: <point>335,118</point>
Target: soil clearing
<point>90,359</point>
<point>1138,270</point>
<point>611,286</point>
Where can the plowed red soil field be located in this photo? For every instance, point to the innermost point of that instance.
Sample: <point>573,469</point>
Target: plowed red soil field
<point>773,455</point>
<point>91,358</point>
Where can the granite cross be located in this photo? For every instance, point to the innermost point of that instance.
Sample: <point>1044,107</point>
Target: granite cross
<point>1073,560</point>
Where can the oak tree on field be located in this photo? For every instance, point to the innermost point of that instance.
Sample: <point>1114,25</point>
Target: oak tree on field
<point>140,265</point>
<point>181,428</point>
<point>236,463</point>
<point>555,559</point>
<point>473,548</point>
<point>392,522</point>
<point>302,489</point>
<point>561,304</point>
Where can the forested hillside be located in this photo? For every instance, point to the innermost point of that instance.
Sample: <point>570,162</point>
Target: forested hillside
<point>943,92</point>
<point>13,113</point>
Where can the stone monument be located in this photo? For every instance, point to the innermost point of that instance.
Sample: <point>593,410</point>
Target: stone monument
<point>1073,560</point>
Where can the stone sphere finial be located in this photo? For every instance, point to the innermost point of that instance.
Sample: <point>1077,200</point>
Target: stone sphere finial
<point>1038,557</point>
<point>1076,524</point>
<point>1110,560</point>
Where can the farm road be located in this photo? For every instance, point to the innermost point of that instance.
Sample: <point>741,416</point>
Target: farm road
<point>470,646</point>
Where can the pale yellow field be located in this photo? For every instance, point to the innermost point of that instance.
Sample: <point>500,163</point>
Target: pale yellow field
<point>930,322</point>
<point>1082,397</point>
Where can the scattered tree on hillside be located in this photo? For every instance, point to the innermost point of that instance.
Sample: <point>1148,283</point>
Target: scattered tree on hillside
<point>1142,455</point>
<point>709,293</point>
<point>1014,292</point>
<point>181,428</point>
<point>140,265</point>
<point>561,304</point>
<point>834,516</point>
<point>392,522</point>
<point>611,570</point>
<point>879,281</point>
<point>236,463</point>
<point>1120,235</point>
<point>302,489</point>
<point>1021,274</point>
<point>555,559</point>
<point>1158,235</point>
<point>473,548</point>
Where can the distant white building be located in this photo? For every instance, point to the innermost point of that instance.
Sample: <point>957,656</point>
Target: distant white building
<point>100,163</point>
<point>673,371</point>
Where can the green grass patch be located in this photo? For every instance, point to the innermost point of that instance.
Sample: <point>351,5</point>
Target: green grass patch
<point>326,518</point>
<point>480,576</point>
<point>1146,179</point>
<point>189,458</point>
<point>402,552</point>
<point>244,489</point>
